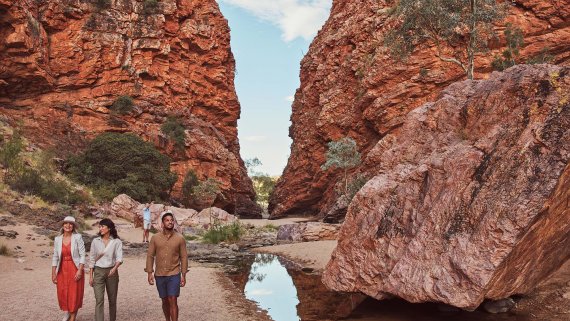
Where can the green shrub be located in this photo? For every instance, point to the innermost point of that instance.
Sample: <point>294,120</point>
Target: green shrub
<point>223,233</point>
<point>150,6</point>
<point>123,105</point>
<point>124,163</point>
<point>10,152</point>
<point>543,57</point>
<point>189,237</point>
<point>190,181</point>
<point>175,131</point>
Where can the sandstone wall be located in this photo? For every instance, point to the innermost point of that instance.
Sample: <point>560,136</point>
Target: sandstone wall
<point>351,87</point>
<point>471,197</point>
<point>63,63</point>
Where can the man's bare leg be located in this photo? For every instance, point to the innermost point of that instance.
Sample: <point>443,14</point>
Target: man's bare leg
<point>173,302</point>
<point>166,309</point>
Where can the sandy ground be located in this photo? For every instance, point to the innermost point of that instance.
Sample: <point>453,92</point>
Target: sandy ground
<point>279,222</point>
<point>26,289</point>
<point>314,255</point>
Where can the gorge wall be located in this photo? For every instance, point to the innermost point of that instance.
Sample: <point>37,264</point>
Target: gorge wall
<point>351,87</point>
<point>471,199</point>
<point>63,63</point>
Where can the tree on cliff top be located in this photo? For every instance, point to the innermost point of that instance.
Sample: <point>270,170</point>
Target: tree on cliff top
<point>458,28</point>
<point>342,154</point>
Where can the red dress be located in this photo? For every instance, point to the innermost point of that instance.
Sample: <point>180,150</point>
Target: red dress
<point>69,291</point>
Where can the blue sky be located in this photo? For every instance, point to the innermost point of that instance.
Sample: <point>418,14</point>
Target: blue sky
<point>269,38</point>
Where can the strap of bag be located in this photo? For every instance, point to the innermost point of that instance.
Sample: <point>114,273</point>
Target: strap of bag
<point>111,243</point>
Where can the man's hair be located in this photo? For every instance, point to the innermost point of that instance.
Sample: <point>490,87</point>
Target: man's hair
<point>167,214</point>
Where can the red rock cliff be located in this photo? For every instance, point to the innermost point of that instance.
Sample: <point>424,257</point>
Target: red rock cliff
<point>63,63</point>
<point>471,199</point>
<point>351,87</point>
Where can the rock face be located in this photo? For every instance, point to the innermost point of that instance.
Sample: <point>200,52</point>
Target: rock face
<point>471,197</point>
<point>306,232</point>
<point>351,87</point>
<point>125,207</point>
<point>63,63</point>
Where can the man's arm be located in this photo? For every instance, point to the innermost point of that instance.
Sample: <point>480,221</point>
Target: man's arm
<point>150,254</point>
<point>183,262</point>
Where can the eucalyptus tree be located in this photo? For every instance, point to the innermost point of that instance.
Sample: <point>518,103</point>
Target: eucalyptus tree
<point>459,29</point>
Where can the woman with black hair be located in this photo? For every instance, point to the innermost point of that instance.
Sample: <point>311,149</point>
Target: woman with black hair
<point>106,256</point>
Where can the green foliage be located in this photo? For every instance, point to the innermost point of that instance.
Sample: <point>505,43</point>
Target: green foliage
<point>206,191</point>
<point>251,164</point>
<point>543,57</point>
<point>342,154</point>
<point>123,105</point>
<point>190,181</point>
<point>150,6</point>
<point>263,185</point>
<point>189,237</point>
<point>124,163</point>
<point>174,130</point>
<point>40,180</point>
<point>10,152</point>
<point>355,184</point>
<point>223,233</point>
<point>458,28</point>
<point>4,250</point>
<point>515,41</point>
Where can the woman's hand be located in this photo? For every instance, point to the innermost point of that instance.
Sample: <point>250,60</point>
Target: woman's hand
<point>91,280</point>
<point>78,275</point>
<point>54,278</point>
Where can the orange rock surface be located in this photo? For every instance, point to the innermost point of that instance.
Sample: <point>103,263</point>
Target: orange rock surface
<point>470,199</point>
<point>351,87</point>
<point>63,63</point>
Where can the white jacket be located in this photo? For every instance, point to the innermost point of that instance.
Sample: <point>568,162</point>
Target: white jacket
<point>77,250</point>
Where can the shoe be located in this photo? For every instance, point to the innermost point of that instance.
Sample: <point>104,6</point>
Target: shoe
<point>65,317</point>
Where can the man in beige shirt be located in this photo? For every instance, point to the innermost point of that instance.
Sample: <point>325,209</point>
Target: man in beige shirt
<point>168,250</point>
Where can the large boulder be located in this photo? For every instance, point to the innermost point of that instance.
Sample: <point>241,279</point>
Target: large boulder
<point>210,215</point>
<point>470,200</point>
<point>306,232</point>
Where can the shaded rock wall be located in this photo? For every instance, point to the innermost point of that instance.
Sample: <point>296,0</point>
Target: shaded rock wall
<point>471,197</point>
<point>351,87</point>
<point>63,63</point>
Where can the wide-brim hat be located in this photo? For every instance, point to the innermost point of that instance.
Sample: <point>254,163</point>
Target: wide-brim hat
<point>69,219</point>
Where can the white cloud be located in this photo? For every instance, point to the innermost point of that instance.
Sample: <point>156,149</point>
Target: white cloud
<point>254,138</point>
<point>295,18</point>
<point>290,98</point>
<point>260,292</point>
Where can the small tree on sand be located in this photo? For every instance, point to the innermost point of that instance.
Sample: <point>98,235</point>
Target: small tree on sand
<point>206,193</point>
<point>342,154</point>
<point>458,28</point>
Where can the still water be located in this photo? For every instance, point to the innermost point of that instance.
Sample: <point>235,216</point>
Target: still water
<point>289,294</point>
<point>270,285</point>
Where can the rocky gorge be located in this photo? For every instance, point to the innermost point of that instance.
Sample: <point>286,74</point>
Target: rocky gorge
<point>350,86</point>
<point>64,63</point>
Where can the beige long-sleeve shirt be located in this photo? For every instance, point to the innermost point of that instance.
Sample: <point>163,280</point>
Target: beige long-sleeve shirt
<point>169,253</point>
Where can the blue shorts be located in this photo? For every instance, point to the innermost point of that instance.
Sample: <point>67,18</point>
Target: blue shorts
<point>168,285</point>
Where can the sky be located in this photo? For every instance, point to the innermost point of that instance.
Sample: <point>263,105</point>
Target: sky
<point>268,39</point>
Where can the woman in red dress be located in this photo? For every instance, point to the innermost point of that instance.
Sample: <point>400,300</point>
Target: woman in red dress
<point>67,268</point>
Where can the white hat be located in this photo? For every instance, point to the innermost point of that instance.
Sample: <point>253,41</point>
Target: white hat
<point>69,219</point>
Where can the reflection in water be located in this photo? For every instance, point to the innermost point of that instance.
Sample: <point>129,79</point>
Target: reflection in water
<point>289,294</point>
<point>271,287</point>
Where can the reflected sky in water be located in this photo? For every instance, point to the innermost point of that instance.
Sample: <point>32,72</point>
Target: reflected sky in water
<point>272,288</point>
